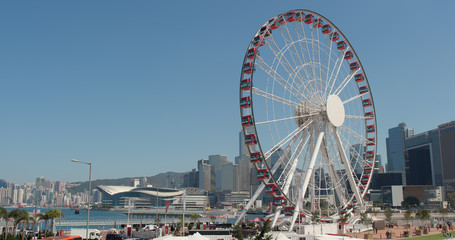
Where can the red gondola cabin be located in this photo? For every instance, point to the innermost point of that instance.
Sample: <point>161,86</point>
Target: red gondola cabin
<point>248,68</point>
<point>256,157</point>
<point>363,89</point>
<point>370,154</point>
<point>263,173</point>
<point>318,23</point>
<point>341,45</point>
<point>366,103</point>
<point>245,102</point>
<point>371,141</point>
<point>370,128</point>
<point>274,25</point>
<point>265,31</point>
<point>281,19</point>
<point>251,139</point>
<point>309,18</point>
<point>369,115</point>
<point>245,84</point>
<point>299,16</point>
<point>251,53</point>
<point>290,16</point>
<point>258,40</point>
<point>288,211</point>
<point>326,29</point>
<point>348,55</point>
<point>359,77</point>
<point>271,188</point>
<point>247,121</point>
<point>279,202</point>
<point>354,66</point>
<point>335,36</point>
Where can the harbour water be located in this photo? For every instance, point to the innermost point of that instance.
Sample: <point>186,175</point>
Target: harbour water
<point>104,219</point>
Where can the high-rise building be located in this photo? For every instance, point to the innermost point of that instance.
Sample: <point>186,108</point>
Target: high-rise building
<point>423,159</point>
<point>396,149</point>
<point>206,171</point>
<point>40,182</point>
<point>447,146</point>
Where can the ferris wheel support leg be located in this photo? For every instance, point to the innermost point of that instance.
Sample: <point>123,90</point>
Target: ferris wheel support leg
<point>275,216</point>
<point>307,176</point>
<point>332,172</point>
<point>347,166</point>
<point>250,202</point>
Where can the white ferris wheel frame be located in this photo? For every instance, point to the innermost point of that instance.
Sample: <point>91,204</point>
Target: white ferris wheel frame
<point>322,131</point>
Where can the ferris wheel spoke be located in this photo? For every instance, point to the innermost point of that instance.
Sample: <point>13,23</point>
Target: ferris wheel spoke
<point>353,133</point>
<point>328,67</point>
<point>311,60</point>
<point>273,97</point>
<point>333,175</point>
<point>294,160</point>
<point>300,40</point>
<point>345,82</point>
<point>289,118</point>
<point>354,97</point>
<point>347,166</point>
<point>279,54</point>
<point>357,117</point>
<point>286,139</point>
<point>285,84</point>
<point>319,60</point>
<point>335,77</point>
<point>296,52</point>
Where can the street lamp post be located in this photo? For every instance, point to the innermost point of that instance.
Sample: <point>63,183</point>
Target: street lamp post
<point>89,192</point>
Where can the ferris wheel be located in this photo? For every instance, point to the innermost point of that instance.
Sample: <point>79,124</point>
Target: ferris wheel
<point>308,117</point>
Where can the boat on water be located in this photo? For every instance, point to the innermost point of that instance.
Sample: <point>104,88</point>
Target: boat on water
<point>76,211</point>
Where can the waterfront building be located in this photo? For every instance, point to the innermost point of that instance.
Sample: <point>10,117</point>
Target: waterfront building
<point>392,195</point>
<point>191,179</point>
<point>419,157</point>
<point>395,149</point>
<point>206,171</point>
<point>423,159</point>
<point>142,197</point>
<point>447,143</point>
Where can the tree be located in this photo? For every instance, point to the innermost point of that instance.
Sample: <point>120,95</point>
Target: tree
<point>444,212</point>
<point>56,213</point>
<point>423,214</point>
<point>315,218</point>
<point>410,202</point>
<point>388,215</point>
<point>265,229</point>
<point>194,217</point>
<point>238,231</point>
<point>344,218</point>
<point>407,215</point>
<point>4,214</point>
<point>365,219</point>
<point>18,216</point>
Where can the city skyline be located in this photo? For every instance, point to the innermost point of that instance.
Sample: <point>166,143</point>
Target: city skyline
<point>137,92</point>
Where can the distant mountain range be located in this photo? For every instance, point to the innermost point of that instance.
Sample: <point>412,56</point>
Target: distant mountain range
<point>169,179</point>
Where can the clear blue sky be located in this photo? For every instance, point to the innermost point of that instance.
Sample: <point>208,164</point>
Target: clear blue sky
<point>143,87</point>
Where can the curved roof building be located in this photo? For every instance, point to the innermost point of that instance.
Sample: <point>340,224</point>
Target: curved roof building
<point>146,197</point>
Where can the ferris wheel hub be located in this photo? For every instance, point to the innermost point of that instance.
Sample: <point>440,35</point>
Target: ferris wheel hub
<point>335,110</point>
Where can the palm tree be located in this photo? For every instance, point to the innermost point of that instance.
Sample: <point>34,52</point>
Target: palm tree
<point>407,215</point>
<point>19,216</point>
<point>45,217</point>
<point>56,213</point>
<point>4,214</point>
